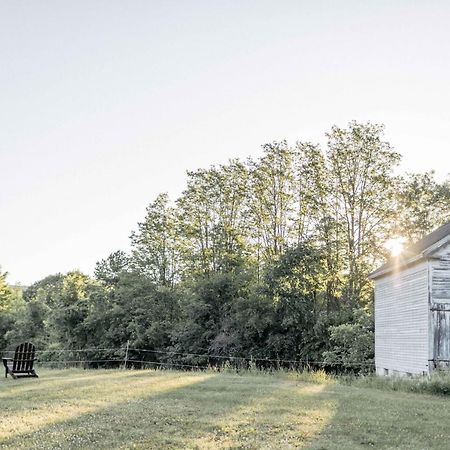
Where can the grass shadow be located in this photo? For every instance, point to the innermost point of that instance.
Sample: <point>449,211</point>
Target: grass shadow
<point>367,418</point>
<point>288,417</point>
<point>31,407</point>
<point>181,409</point>
<point>173,410</point>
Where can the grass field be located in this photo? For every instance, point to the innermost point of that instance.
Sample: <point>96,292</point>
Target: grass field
<point>112,409</point>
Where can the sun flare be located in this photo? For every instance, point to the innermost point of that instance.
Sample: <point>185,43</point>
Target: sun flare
<point>395,245</point>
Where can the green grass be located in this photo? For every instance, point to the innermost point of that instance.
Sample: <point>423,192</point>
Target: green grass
<point>438,383</point>
<point>112,409</point>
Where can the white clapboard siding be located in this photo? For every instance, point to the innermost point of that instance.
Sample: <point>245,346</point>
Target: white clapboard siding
<point>401,321</point>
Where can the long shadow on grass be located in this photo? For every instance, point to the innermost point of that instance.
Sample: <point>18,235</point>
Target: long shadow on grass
<point>176,418</point>
<point>47,403</point>
<point>377,419</point>
<point>288,417</point>
<point>16,394</point>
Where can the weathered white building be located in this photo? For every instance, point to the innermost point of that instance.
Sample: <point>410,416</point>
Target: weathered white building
<point>412,308</point>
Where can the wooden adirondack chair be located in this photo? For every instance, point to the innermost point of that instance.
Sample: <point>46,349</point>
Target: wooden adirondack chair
<point>21,365</point>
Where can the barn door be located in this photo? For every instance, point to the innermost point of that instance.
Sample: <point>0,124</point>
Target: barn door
<point>441,335</point>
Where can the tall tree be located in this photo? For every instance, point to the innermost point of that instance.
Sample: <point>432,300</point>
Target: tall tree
<point>363,185</point>
<point>272,199</point>
<point>212,214</point>
<point>155,250</point>
<point>423,204</point>
<point>309,191</point>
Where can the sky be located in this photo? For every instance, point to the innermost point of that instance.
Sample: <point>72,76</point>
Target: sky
<point>105,104</point>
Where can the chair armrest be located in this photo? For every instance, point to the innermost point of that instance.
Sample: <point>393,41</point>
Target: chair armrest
<point>7,359</point>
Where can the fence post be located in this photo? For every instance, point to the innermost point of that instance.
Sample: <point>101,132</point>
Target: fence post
<point>126,355</point>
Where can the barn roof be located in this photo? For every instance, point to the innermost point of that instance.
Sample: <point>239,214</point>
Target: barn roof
<point>420,250</point>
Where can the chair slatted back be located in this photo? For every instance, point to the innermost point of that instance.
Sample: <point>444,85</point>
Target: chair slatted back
<point>23,358</point>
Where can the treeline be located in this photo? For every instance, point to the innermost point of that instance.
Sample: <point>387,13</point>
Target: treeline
<point>265,258</point>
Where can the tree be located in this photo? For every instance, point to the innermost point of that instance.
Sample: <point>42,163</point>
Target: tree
<point>6,294</point>
<point>361,167</point>
<point>45,290</point>
<point>137,310</point>
<point>296,285</point>
<point>108,270</point>
<point>29,323</point>
<point>207,324</point>
<point>212,217</point>
<point>310,193</point>
<point>423,204</point>
<point>271,199</point>
<point>31,315</point>
<point>6,306</point>
<point>71,307</point>
<point>155,251</point>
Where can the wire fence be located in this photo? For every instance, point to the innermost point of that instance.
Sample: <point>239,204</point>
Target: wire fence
<point>139,358</point>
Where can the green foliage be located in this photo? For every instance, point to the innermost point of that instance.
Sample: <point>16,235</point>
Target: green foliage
<point>70,310</point>
<point>423,204</point>
<point>142,312</point>
<point>212,217</point>
<point>29,324</point>
<point>109,270</point>
<point>266,258</point>
<point>295,285</point>
<point>155,245</point>
<point>29,317</point>
<point>6,294</point>
<point>361,175</point>
<point>352,344</point>
<point>10,302</point>
<point>208,324</point>
<point>45,290</point>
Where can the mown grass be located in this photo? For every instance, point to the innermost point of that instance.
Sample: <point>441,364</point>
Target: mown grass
<point>112,409</point>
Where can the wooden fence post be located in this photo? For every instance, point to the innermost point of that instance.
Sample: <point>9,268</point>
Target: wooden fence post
<point>126,355</point>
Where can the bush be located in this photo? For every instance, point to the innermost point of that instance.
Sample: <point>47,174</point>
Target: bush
<point>352,347</point>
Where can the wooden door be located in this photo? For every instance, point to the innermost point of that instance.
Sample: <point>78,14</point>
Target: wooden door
<point>441,335</point>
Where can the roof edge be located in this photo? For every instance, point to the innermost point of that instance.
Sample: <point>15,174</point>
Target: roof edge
<point>392,268</point>
<point>425,254</point>
<point>437,246</point>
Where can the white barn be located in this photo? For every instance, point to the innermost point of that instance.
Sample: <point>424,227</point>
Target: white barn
<point>412,308</point>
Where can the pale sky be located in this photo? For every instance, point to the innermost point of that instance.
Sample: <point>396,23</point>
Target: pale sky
<point>104,104</point>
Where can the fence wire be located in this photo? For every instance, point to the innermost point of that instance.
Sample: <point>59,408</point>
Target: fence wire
<point>127,358</point>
